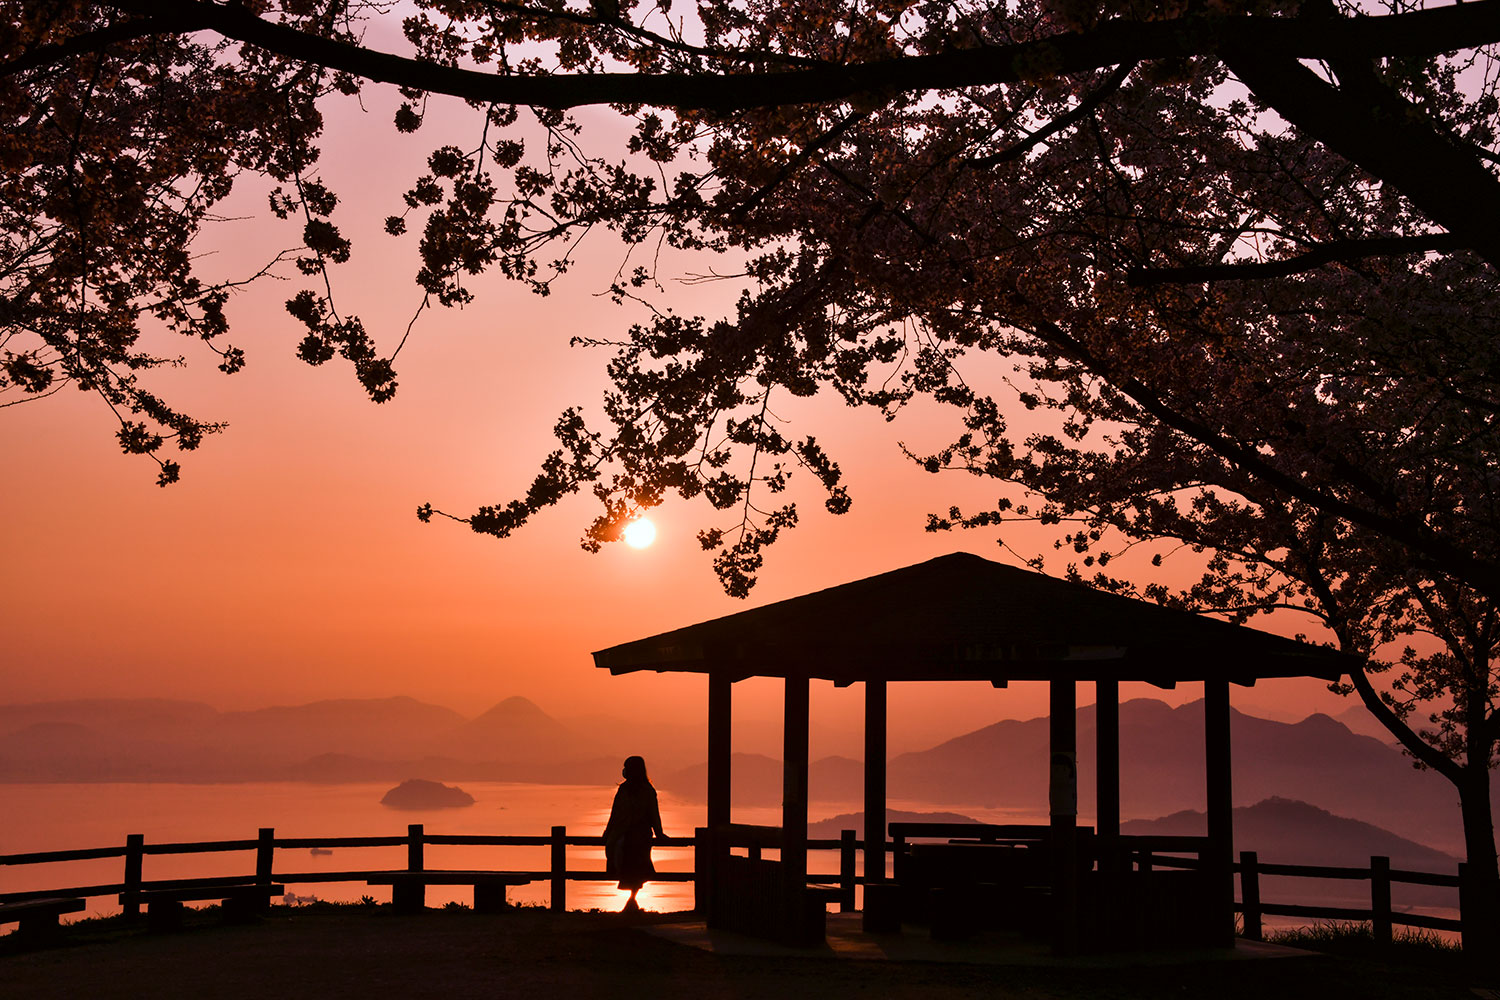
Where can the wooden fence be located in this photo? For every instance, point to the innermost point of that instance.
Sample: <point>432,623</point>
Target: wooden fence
<point>1381,915</point>
<point>266,843</point>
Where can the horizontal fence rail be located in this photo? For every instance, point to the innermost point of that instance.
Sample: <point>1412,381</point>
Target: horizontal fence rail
<point>1143,853</point>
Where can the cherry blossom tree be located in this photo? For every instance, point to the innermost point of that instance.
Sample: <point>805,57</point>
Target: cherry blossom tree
<point>1242,254</point>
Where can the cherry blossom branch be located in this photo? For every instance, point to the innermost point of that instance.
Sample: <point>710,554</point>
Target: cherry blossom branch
<point>1339,251</point>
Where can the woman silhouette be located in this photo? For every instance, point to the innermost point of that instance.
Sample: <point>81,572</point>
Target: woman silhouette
<point>633,820</point>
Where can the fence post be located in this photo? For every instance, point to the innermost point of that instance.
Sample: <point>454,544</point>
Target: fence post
<point>265,849</point>
<point>135,850</point>
<point>846,871</point>
<point>559,869</point>
<point>1380,899</point>
<point>700,870</point>
<point>414,847</point>
<point>1250,895</point>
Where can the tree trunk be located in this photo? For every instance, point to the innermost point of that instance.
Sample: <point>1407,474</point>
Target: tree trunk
<point>1481,897</point>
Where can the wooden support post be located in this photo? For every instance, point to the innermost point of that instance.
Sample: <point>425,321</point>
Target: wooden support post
<point>796,912</point>
<point>1218,775</point>
<point>1380,899</point>
<point>135,852</point>
<point>1250,895</point>
<point>559,897</point>
<point>847,851</point>
<point>1063,802</point>
<point>720,717</point>
<point>876,708</point>
<point>701,854</point>
<point>1107,772</point>
<point>794,786</point>
<point>265,852</point>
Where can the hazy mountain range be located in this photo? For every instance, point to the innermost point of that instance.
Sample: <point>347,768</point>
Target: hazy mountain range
<point>1317,760</point>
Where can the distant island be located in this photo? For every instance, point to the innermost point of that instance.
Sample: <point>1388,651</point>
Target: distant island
<point>834,825</point>
<point>418,793</point>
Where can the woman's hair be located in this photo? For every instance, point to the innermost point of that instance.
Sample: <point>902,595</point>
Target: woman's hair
<point>635,769</point>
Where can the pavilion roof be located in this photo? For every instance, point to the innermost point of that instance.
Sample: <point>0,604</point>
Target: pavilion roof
<point>963,617</point>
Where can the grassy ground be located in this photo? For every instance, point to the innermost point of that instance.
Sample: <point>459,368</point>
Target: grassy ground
<point>351,951</point>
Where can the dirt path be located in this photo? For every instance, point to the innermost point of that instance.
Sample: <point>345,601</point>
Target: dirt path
<point>536,955</point>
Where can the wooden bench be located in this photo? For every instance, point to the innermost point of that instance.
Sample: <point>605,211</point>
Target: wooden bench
<point>164,907</point>
<point>409,888</point>
<point>38,918</point>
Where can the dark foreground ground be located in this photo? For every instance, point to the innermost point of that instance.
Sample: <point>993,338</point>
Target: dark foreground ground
<point>452,954</point>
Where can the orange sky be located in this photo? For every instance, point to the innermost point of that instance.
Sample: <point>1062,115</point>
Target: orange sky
<point>288,565</point>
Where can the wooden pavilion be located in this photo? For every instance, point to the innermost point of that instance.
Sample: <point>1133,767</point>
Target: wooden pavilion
<point>964,618</point>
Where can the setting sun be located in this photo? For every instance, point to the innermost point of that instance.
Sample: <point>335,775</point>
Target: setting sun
<point>640,533</point>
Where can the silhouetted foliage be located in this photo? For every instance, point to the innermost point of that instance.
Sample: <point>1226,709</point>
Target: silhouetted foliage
<point>1241,261</point>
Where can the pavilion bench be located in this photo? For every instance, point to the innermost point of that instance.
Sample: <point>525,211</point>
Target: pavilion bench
<point>164,909</point>
<point>37,918</point>
<point>409,888</point>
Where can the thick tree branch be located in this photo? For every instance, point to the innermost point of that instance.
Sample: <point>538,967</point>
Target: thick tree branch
<point>1389,138</point>
<point>166,22</point>
<point>1413,744</point>
<point>1418,33</point>
<point>1340,251</point>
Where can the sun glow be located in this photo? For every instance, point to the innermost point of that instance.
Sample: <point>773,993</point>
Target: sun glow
<point>640,533</point>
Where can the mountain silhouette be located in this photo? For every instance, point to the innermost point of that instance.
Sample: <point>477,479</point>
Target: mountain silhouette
<point>1359,720</point>
<point>514,730</point>
<point>382,728</point>
<point>756,780</point>
<point>114,716</point>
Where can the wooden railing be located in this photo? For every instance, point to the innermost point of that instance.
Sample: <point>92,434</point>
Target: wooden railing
<point>266,843</point>
<point>1144,855</point>
<point>1381,915</point>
